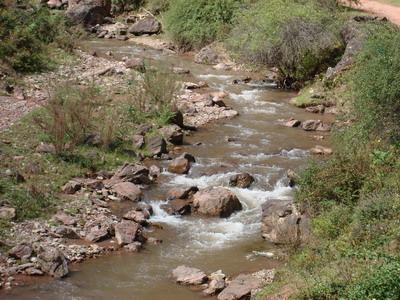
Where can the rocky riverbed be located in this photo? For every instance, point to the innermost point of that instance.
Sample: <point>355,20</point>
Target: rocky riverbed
<point>208,201</point>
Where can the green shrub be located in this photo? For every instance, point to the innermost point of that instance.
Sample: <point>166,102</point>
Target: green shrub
<point>157,6</point>
<point>332,223</point>
<point>69,116</point>
<point>29,202</point>
<point>26,34</point>
<point>336,181</point>
<point>382,282</point>
<point>300,38</point>
<point>153,96</point>
<point>193,24</point>
<point>377,96</point>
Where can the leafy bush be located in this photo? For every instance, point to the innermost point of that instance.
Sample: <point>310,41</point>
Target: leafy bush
<point>300,38</point>
<point>153,95</point>
<point>382,282</point>
<point>25,34</point>
<point>193,24</point>
<point>69,116</point>
<point>377,97</point>
<point>337,181</point>
<point>28,202</point>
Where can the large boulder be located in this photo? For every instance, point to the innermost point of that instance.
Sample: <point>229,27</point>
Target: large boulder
<point>126,232</point>
<point>282,223</point>
<point>189,276</point>
<point>53,262</point>
<point>88,12</point>
<point>216,202</point>
<point>147,25</point>
<point>242,180</point>
<point>241,287</point>
<point>179,165</point>
<point>127,191</point>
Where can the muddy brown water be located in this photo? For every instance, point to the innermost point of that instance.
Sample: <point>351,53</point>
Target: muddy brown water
<point>262,147</point>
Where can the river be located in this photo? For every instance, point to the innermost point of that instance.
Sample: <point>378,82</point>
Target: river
<point>261,146</point>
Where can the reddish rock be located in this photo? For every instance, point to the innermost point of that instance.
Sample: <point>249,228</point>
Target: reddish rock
<point>65,219</point>
<point>292,123</point>
<point>127,191</point>
<point>181,193</point>
<point>189,276</point>
<point>126,232</point>
<point>216,202</point>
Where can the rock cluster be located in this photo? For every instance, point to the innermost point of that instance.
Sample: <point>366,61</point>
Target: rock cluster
<point>217,284</point>
<point>47,247</point>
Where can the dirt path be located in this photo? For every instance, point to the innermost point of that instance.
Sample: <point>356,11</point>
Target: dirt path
<point>389,11</point>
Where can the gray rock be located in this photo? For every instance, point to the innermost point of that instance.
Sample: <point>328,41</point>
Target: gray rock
<point>7,213</point>
<point>147,25</point>
<point>71,187</point>
<point>189,276</point>
<point>173,134</point>
<point>53,262</point>
<point>46,148</point>
<point>88,12</point>
<point>241,287</point>
<point>282,223</point>
<point>98,229</point>
<point>21,251</point>
<point>156,145</point>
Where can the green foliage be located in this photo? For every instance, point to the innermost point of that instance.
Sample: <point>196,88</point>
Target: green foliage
<point>69,116</point>
<point>382,282</point>
<point>193,24</point>
<point>29,202</point>
<point>300,38</point>
<point>353,197</point>
<point>377,97</point>
<point>153,96</point>
<point>26,34</point>
<point>337,181</point>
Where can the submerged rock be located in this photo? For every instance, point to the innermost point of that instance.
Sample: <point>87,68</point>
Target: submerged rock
<point>189,276</point>
<point>321,150</point>
<point>216,202</point>
<point>243,180</point>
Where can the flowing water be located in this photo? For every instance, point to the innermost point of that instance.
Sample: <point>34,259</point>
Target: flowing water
<point>261,146</point>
